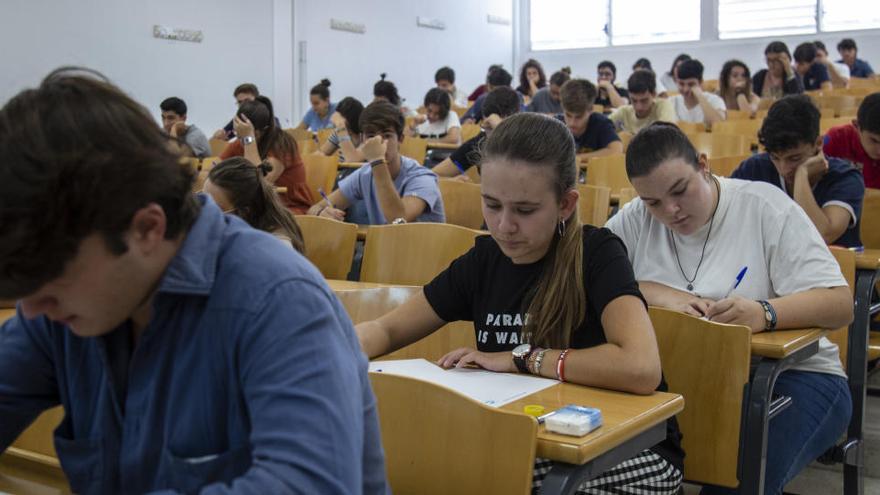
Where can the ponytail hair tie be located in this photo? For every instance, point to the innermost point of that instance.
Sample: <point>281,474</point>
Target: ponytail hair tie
<point>264,168</point>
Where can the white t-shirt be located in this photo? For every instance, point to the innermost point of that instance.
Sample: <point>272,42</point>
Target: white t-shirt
<point>756,226</point>
<point>440,128</point>
<point>696,114</point>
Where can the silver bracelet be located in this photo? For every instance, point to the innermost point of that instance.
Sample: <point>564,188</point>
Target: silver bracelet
<point>539,359</point>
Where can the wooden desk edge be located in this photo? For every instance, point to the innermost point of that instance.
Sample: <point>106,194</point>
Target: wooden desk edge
<point>775,344</point>
<point>868,260</point>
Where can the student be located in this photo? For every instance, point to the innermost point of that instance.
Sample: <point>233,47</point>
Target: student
<point>830,190</point>
<point>445,80</point>
<point>859,142</point>
<point>644,108</point>
<point>242,93</point>
<point>238,188</point>
<point>386,91</point>
<point>531,78</point>
<point>778,79</point>
<point>346,137</point>
<point>645,64</point>
<point>546,100</point>
<point>497,78</point>
<point>191,352</point>
<point>692,104</point>
<point>191,139</point>
<point>593,132</point>
<point>482,89</point>
<point>260,140</point>
<point>735,88</point>
<point>565,291</point>
<point>499,104</point>
<point>392,187</point>
<point>610,96</point>
<point>689,233</point>
<point>439,124</point>
<point>318,117</point>
<point>670,79</point>
<point>813,74</point>
<point>857,67</point>
<point>839,72</point>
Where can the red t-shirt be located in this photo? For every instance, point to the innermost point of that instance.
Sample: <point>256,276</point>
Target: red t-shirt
<point>843,142</point>
<point>298,198</point>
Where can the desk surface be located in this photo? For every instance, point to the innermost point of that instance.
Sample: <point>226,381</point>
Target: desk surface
<point>6,314</point>
<point>868,260</point>
<point>350,164</point>
<point>624,416</point>
<point>783,343</point>
<point>337,285</point>
<point>443,146</point>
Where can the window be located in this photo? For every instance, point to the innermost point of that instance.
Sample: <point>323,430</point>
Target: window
<point>638,21</point>
<point>562,24</point>
<point>756,18</point>
<point>845,15</point>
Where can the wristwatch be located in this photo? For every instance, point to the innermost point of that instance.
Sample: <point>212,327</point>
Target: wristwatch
<point>521,357</point>
<point>769,315</point>
<point>246,140</point>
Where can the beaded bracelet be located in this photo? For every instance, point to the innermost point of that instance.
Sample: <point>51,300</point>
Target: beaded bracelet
<point>560,365</point>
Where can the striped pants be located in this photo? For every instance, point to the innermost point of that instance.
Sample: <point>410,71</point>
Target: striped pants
<point>646,473</point>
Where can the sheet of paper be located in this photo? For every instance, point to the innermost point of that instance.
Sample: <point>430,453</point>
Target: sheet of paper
<point>490,388</point>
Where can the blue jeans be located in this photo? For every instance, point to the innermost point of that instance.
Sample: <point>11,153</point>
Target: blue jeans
<point>818,416</point>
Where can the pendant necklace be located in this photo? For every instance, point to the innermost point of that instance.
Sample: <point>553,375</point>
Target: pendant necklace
<point>690,281</point>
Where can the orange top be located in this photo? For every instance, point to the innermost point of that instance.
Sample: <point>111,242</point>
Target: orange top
<point>298,198</point>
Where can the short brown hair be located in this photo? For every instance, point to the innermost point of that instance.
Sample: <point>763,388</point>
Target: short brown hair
<point>381,116</point>
<point>577,96</point>
<point>246,88</point>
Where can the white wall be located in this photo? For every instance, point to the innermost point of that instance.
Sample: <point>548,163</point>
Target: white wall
<point>116,38</point>
<point>710,51</point>
<point>395,45</point>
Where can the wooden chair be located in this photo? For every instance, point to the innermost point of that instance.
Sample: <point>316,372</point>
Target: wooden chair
<point>460,111</point>
<point>320,172</point>
<point>725,165</point>
<point>299,134</point>
<point>462,203</point>
<point>438,441</point>
<point>721,144</point>
<point>847,261</point>
<point>691,127</point>
<point>870,221</point>
<point>865,82</point>
<point>329,244</point>
<point>738,115</point>
<point>626,195</point>
<point>306,146</point>
<point>415,148</point>
<point>608,171</point>
<point>593,204</point>
<point>473,174</point>
<point>323,135</point>
<point>826,124</point>
<point>33,455</point>
<point>835,103</point>
<point>598,108</point>
<point>747,128</point>
<point>625,138</point>
<point>710,85</point>
<point>469,131</point>
<point>208,162</point>
<point>707,363</point>
<point>412,253</point>
<point>217,146</point>
<point>199,182</point>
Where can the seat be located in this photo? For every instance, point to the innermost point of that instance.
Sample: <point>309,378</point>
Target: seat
<point>608,171</point>
<point>748,128</point>
<point>593,204</point>
<point>847,261</point>
<point>473,173</point>
<point>323,135</point>
<point>625,138</point>
<point>835,103</point>
<point>738,115</point>
<point>870,221</point>
<point>462,203</point>
<point>438,441</point>
<point>725,165</point>
<point>626,195</point>
<point>469,131</point>
<point>691,127</point>
<point>459,110</point>
<point>826,124</point>
<point>415,148</point>
<point>329,244</point>
<point>865,82</point>
<point>716,144</point>
<point>710,85</point>
<point>306,146</point>
<point>217,146</point>
<point>32,459</point>
<point>708,364</point>
<point>299,134</point>
<point>320,172</point>
<point>412,253</point>
<point>208,162</point>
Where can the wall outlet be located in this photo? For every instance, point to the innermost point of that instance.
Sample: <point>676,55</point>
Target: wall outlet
<point>497,19</point>
<point>428,22</point>
<point>177,34</point>
<point>351,27</point>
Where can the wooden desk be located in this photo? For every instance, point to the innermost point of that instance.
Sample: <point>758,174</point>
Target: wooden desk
<point>7,304</point>
<point>6,313</point>
<point>338,285</point>
<point>443,146</point>
<point>350,164</point>
<point>784,343</point>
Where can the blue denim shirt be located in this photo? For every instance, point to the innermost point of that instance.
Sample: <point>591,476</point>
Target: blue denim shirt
<point>248,379</point>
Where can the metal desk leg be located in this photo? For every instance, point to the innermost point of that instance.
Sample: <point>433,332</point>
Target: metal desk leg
<point>565,478</point>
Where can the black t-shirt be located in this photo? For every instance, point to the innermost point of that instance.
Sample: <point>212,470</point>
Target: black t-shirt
<point>467,154</point>
<point>486,287</point>
<point>600,132</point>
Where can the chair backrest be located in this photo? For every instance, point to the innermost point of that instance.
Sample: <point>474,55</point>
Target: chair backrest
<point>217,146</point>
<point>412,253</point>
<point>593,204</point>
<point>847,261</point>
<point>460,111</point>
<point>199,182</point>
<point>738,115</point>
<point>865,82</point>
<point>369,304</point>
<point>469,131</point>
<point>708,364</point>
<point>626,195</point>
<point>725,165</point>
<point>870,221</point>
<point>329,244</point>
<point>710,85</point>
<point>625,138</point>
<point>320,172</point>
<point>462,203</point>
<point>720,144</point>
<point>608,171</point>
<point>323,135</point>
<point>826,124</point>
<point>415,148</point>
<point>208,162</point>
<point>300,134</point>
<point>834,102</point>
<point>748,128</point>
<point>473,173</point>
<point>438,441</point>
<point>691,127</point>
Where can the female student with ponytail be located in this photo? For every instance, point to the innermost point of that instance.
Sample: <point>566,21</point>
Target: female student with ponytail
<point>261,140</point>
<point>239,188</point>
<point>542,279</point>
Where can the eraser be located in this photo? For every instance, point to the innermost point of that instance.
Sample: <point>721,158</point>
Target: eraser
<point>574,420</point>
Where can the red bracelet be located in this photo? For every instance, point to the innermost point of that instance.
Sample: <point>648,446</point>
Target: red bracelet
<point>560,365</point>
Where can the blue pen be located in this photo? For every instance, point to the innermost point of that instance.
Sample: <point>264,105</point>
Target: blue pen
<point>321,192</point>
<point>735,284</point>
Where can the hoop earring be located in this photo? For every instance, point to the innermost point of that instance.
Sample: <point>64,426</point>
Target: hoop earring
<point>560,227</point>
